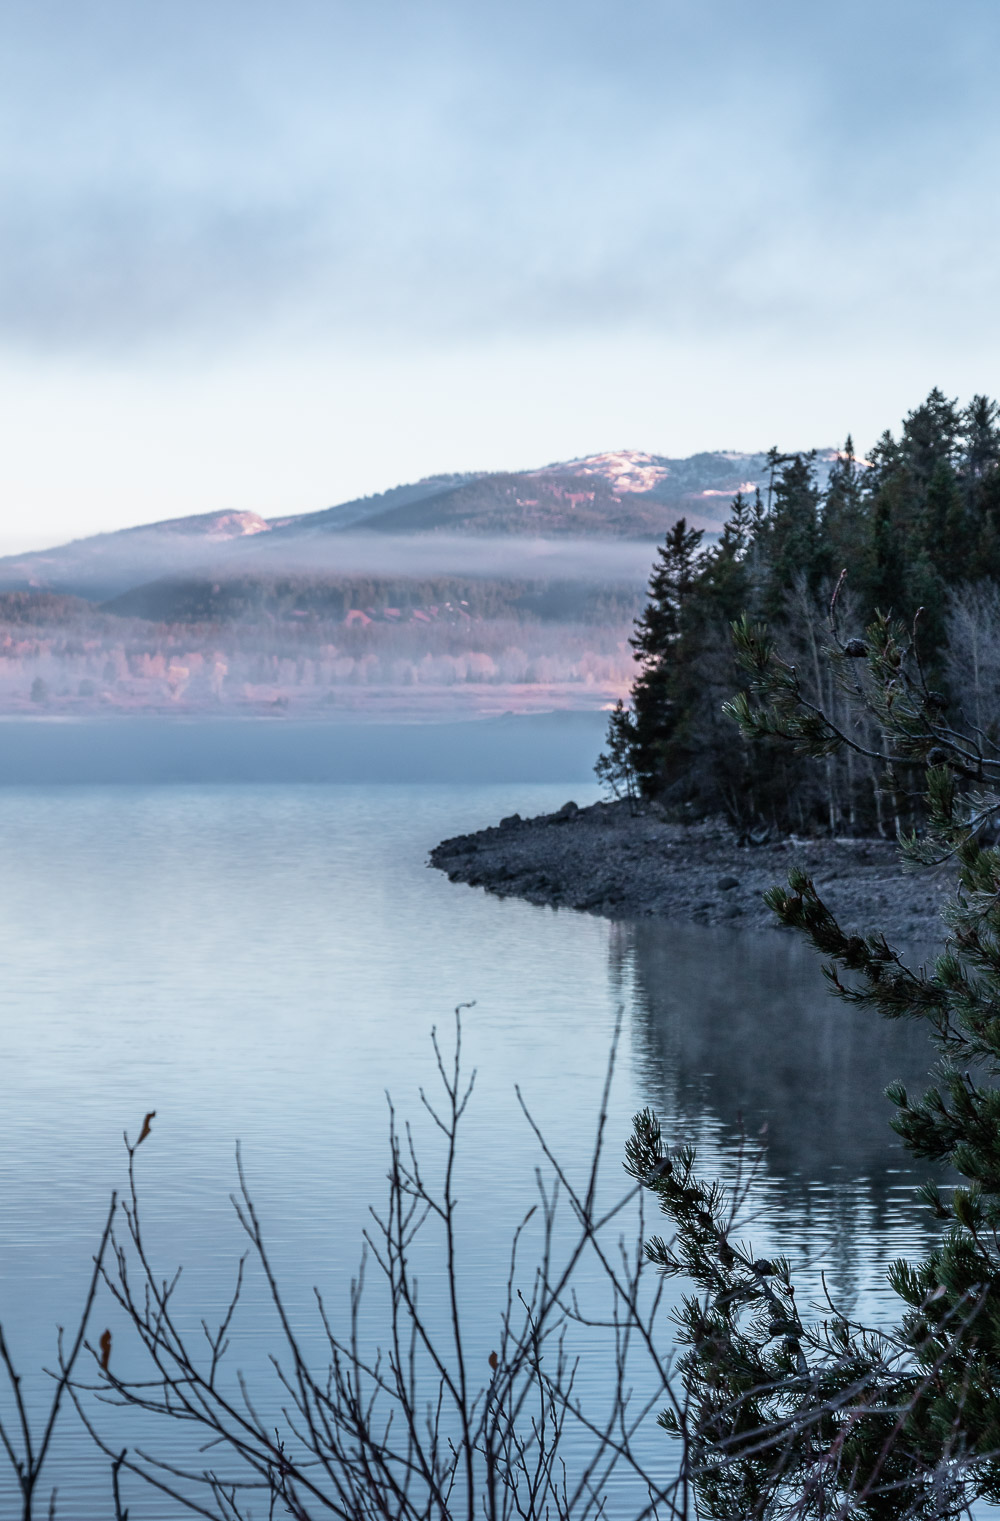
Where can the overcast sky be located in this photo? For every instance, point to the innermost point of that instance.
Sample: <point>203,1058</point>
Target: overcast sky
<point>272,255</point>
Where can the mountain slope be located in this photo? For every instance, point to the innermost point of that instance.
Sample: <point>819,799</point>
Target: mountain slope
<point>626,495</point>
<point>108,563</point>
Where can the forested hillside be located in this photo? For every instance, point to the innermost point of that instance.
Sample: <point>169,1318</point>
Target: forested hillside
<point>332,598</point>
<point>312,644</point>
<point>916,527</point>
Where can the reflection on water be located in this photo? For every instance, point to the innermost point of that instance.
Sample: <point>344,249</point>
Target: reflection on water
<point>265,961</point>
<point>741,1046</point>
<point>744,1025</point>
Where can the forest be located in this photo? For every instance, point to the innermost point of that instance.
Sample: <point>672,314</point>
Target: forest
<point>910,536</point>
<point>267,643</point>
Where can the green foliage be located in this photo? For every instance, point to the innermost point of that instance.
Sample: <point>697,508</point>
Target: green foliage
<point>815,1420</point>
<point>660,648</point>
<point>916,524</point>
<point>615,768</point>
<point>780,1416</point>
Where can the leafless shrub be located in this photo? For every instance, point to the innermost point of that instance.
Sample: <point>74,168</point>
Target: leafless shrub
<point>27,1444</point>
<point>774,1415</point>
<point>411,1431</point>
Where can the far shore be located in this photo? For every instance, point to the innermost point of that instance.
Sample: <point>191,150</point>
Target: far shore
<point>604,860</point>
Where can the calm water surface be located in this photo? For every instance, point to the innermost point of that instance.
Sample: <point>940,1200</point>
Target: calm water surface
<point>264,962</point>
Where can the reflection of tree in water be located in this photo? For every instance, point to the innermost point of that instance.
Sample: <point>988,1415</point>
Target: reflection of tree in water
<point>737,1033</point>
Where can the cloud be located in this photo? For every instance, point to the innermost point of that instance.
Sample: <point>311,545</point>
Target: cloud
<point>403,174</point>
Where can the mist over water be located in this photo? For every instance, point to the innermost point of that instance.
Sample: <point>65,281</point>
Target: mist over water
<point>259,258</point>
<point>142,750</point>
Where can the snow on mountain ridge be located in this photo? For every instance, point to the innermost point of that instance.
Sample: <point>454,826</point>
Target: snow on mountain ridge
<point>219,525</point>
<point>626,469</point>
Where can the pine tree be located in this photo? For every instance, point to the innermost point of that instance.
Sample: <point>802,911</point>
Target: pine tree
<point>793,532</point>
<point>672,577</point>
<point>846,523</point>
<point>614,768</point>
<point>930,438</point>
<point>980,478</point>
<point>980,443</point>
<point>656,643</point>
<point>912,524</point>
<point>784,1416</point>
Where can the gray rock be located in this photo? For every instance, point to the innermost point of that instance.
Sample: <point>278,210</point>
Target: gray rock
<point>643,868</point>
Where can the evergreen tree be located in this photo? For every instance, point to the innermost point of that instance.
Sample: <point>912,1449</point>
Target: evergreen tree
<point>784,1416</point>
<point>793,532</point>
<point>775,459</point>
<point>656,644</point>
<point>670,582</point>
<point>614,768</point>
<point>930,438</point>
<point>846,523</point>
<point>980,477</point>
<point>912,525</point>
<point>915,506</point>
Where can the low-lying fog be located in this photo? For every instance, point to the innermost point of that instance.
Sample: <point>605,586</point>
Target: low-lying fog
<point>438,625</point>
<point>106,566</point>
<point>599,560</point>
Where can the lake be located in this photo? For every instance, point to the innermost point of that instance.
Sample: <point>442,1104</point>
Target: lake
<point>262,960</point>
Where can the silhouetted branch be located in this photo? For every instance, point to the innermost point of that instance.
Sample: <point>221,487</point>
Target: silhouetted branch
<point>26,1454</point>
<point>405,1431</point>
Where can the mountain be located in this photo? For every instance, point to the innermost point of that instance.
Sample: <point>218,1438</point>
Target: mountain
<point>625,495</point>
<point>618,495</point>
<point>107,563</point>
<point>360,509</point>
<point>458,594</point>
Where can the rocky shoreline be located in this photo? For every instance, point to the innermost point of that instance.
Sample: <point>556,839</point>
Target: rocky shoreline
<point>604,860</point>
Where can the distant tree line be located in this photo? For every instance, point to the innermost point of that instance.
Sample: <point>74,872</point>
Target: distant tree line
<point>64,653</point>
<point>229,598</point>
<point>916,527</point>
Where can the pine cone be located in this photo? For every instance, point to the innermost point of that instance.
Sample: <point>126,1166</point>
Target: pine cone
<point>661,1169</point>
